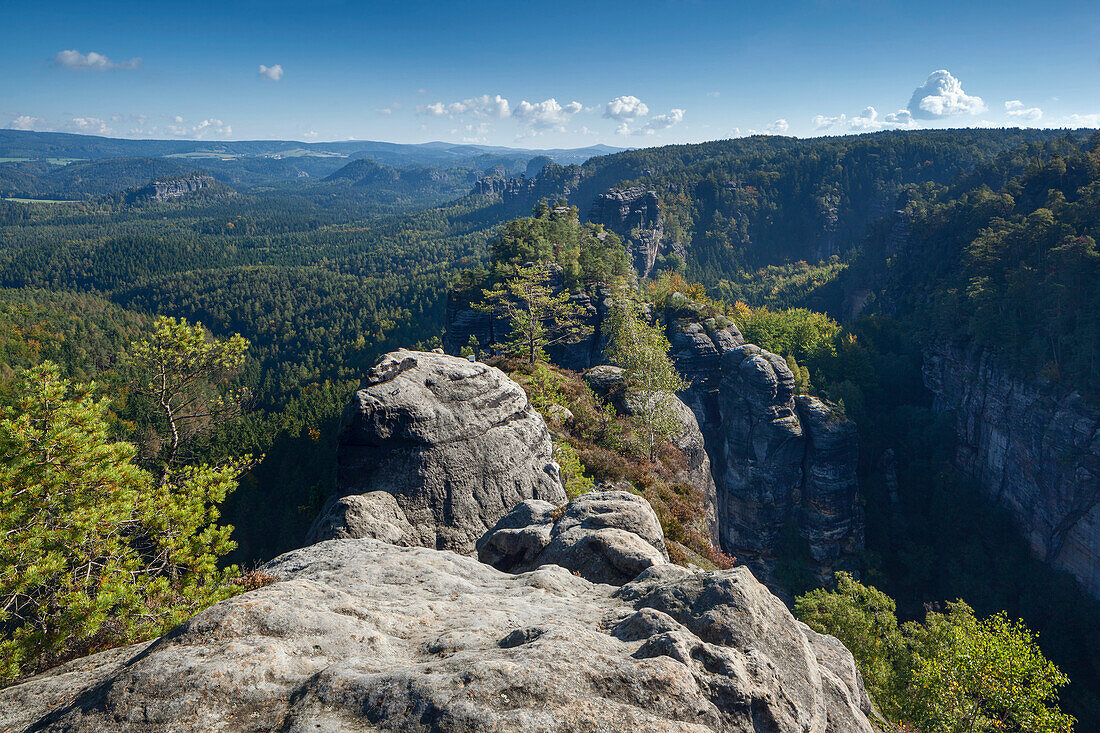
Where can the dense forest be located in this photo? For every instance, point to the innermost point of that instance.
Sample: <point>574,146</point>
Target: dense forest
<point>841,254</point>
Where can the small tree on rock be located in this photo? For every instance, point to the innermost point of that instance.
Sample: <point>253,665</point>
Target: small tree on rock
<point>641,349</point>
<point>539,317</point>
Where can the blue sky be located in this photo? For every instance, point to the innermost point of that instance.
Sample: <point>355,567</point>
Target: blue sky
<point>546,74</point>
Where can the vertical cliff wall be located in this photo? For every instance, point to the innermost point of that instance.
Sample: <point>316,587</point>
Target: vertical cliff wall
<point>1033,447</point>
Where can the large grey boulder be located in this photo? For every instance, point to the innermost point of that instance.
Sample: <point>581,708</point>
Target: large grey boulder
<point>603,536</point>
<point>456,443</point>
<point>359,635</point>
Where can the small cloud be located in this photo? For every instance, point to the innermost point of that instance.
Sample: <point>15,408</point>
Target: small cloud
<point>389,110</point>
<point>622,129</point>
<point>421,91</point>
<point>27,122</point>
<point>865,121</point>
<point>625,108</point>
<point>662,122</point>
<point>942,95</point>
<point>91,61</point>
<point>272,73</point>
<point>1083,120</point>
<point>714,94</point>
<point>311,134</point>
<point>1015,108</point>
<point>91,125</point>
<point>483,106</point>
<point>779,127</point>
<point>546,115</point>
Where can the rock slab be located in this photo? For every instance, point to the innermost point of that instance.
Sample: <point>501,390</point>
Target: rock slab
<point>359,635</point>
<point>456,444</point>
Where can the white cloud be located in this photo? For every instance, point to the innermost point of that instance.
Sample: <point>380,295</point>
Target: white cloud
<point>1015,108</point>
<point>90,125</point>
<point>483,106</point>
<point>1083,120</point>
<point>779,127</point>
<point>311,134</point>
<point>211,127</point>
<point>91,61</point>
<point>942,95</point>
<point>622,129</point>
<point>662,122</point>
<point>272,73</point>
<point>625,108</point>
<point>546,115</point>
<point>865,121</point>
<point>27,122</point>
<point>714,94</point>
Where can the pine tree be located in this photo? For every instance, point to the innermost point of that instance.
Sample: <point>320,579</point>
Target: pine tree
<point>539,318</point>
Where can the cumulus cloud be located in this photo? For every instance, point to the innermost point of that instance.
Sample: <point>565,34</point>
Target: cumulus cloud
<point>942,95</point>
<point>272,73</point>
<point>865,121</point>
<point>662,122</point>
<point>483,106</point>
<point>210,127</point>
<point>91,61</point>
<point>1015,108</point>
<point>779,127</point>
<point>27,122</point>
<point>1076,120</point>
<point>546,115</point>
<point>90,125</point>
<point>625,109</point>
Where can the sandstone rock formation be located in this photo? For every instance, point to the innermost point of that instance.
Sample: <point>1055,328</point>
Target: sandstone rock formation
<point>456,443</point>
<point>784,463</point>
<point>1033,447</point>
<point>635,215</point>
<point>359,635</point>
<point>603,536</point>
<point>178,187</point>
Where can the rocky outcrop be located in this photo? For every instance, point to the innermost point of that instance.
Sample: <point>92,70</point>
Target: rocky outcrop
<point>784,463</point>
<point>359,635</point>
<point>603,536</point>
<point>177,187</point>
<point>1033,447</point>
<point>518,196</point>
<point>456,443</point>
<point>635,215</point>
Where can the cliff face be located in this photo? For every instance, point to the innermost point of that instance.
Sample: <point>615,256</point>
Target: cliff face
<point>178,187</point>
<point>1034,448</point>
<point>635,215</point>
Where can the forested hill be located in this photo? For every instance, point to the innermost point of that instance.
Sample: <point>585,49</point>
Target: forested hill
<point>750,202</point>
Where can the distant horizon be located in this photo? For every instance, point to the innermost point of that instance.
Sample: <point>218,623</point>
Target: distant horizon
<point>638,74</point>
<point>487,146</point>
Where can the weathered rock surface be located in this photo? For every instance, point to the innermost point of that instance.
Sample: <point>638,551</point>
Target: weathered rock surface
<point>456,443</point>
<point>603,536</point>
<point>359,635</point>
<point>375,515</point>
<point>1033,447</point>
<point>784,463</point>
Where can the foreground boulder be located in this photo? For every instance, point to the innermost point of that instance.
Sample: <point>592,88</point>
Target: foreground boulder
<point>603,536</point>
<point>456,443</point>
<point>359,635</point>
